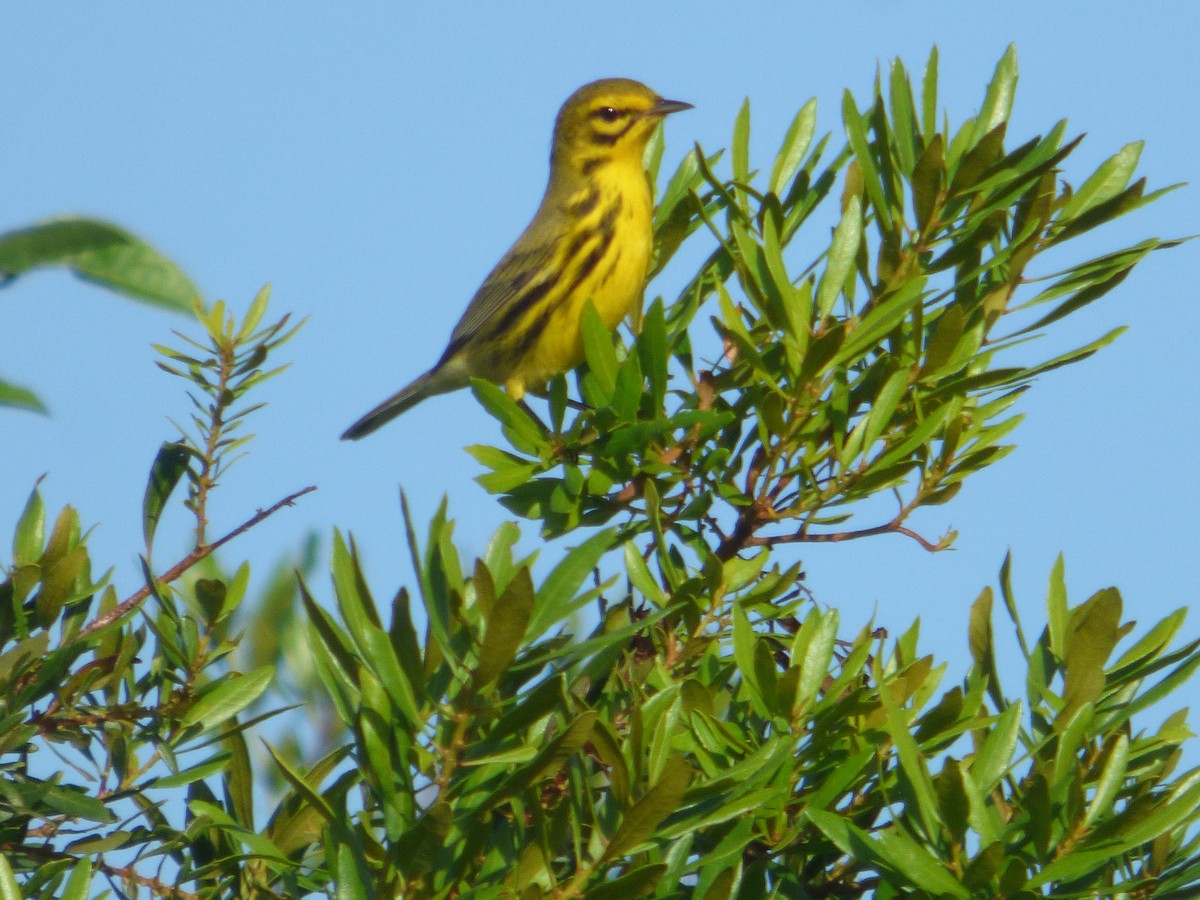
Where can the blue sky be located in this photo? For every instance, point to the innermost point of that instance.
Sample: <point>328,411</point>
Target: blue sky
<point>372,164</point>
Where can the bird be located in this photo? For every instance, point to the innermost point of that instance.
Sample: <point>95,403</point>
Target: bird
<point>591,238</point>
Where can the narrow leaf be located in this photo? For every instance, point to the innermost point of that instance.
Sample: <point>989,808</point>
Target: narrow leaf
<point>740,152</point>
<point>795,144</point>
<point>100,252</point>
<point>997,103</point>
<point>598,349</point>
<point>20,398</point>
<point>640,821</point>
<point>231,695</point>
<point>839,262</point>
<point>168,468</point>
<point>506,625</point>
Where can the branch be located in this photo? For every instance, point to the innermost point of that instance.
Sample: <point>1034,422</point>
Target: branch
<point>803,537</point>
<point>188,561</point>
<point>748,521</point>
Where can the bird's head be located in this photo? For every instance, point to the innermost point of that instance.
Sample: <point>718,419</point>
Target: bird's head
<point>608,120</point>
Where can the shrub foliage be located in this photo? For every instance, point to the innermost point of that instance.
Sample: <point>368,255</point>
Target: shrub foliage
<point>665,711</point>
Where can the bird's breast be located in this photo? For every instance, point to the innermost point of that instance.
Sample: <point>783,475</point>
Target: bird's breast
<point>603,256</point>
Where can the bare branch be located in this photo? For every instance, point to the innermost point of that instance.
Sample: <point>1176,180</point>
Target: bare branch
<point>803,537</point>
<point>201,552</point>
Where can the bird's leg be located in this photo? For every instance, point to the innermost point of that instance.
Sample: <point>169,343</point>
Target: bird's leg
<point>538,419</point>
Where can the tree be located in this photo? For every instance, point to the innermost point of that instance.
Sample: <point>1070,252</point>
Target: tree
<point>711,730</point>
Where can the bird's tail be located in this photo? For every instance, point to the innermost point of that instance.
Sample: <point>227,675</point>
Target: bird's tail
<point>436,381</point>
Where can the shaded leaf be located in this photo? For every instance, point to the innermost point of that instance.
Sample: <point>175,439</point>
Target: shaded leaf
<point>169,466</point>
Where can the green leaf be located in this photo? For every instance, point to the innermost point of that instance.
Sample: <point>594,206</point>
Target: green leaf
<point>506,625</point>
<point>634,883</point>
<point>795,144</point>
<point>628,390</point>
<point>813,648</point>
<point>1111,780</point>
<point>740,153</point>
<point>301,784</point>
<point>1091,635</point>
<point>652,349</point>
<point>920,867</point>
<point>599,352</point>
<point>1010,603</point>
<point>72,801</point>
<point>30,533</point>
<point>1152,642</point>
<point>524,433</point>
<point>904,860</point>
<point>100,252</point>
<point>187,776</point>
<point>839,262</point>
<point>905,128</point>
<point>1057,615</point>
<point>641,577</point>
<point>20,398</point>
<point>565,579</point>
<point>9,889</point>
<point>881,319</point>
<point>969,172</point>
<point>947,332</point>
<point>1110,179</point>
<point>912,764</point>
<point>879,419</point>
<point>857,135</point>
<point>609,749</point>
<point>929,181</point>
<point>79,881</point>
<point>745,645</point>
<point>59,576</point>
<point>998,101</point>
<point>170,465</point>
<point>995,756</point>
<point>351,881</point>
<point>231,695</point>
<point>685,179</point>
<point>254,315</point>
<point>982,645</point>
<point>640,821</point>
<point>917,437</point>
<point>830,790</point>
<point>929,95</point>
<point>256,843</point>
<point>508,470</point>
<point>985,866</point>
<point>952,800</point>
<point>549,760</point>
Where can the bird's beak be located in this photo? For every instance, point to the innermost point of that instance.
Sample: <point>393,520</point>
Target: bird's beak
<point>663,107</point>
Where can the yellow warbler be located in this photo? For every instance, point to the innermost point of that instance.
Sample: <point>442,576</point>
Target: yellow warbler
<point>590,238</point>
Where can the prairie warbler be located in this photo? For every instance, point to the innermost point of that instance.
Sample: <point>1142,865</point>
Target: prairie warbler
<point>590,238</point>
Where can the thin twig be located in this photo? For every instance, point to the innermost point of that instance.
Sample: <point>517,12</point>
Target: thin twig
<point>188,561</point>
<point>803,537</point>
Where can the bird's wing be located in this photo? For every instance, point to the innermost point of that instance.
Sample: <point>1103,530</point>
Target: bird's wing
<point>525,266</point>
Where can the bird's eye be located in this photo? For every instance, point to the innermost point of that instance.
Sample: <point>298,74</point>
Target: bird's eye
<point>608,114</point>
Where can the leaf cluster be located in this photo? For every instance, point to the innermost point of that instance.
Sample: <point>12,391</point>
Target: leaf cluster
<point>222,370</point>
<point>759,755</point>
<point>885,360</point>
<point>118,713</point>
